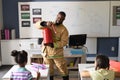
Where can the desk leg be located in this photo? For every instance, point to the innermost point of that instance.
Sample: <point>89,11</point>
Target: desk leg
<point>79,76</point>
<point>83,58</point>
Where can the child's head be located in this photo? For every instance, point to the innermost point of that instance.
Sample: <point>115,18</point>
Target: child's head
<point>102,61</point>
<point>20,57</point>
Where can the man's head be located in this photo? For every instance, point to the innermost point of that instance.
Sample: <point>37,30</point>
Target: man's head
<point>60,18</point>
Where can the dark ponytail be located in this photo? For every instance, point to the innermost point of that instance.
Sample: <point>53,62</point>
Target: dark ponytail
<point>20,56</point>
<point>14,53</point>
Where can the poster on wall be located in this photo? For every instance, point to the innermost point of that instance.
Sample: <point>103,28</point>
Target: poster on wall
<point>35,19</point>
<point>25,15</point>
<point>37,11</point>
<point>25,23</point>
<point>25,7</point>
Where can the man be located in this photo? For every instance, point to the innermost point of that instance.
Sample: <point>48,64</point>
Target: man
<point>53,53</point>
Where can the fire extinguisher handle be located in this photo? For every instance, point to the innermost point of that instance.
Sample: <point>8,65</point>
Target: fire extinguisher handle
<point>50,44</point>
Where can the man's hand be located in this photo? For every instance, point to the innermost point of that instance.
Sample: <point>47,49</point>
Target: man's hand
<point>50,44</point>
<point>49,23</point>
<point>46,23</point>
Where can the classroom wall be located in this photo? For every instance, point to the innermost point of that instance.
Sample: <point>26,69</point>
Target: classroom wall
<point>1,17</point>
<point>10,15</point>
<point>10,20</point>
<point>10,12</point>
<point>1,25</point>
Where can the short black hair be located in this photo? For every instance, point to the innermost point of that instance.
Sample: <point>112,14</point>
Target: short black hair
<point>43,23</point>
<point>102,61</point>
<point>62,13</point>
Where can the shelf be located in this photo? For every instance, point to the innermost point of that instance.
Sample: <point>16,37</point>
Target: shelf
<point>36,60</point>
<point>72,60</point>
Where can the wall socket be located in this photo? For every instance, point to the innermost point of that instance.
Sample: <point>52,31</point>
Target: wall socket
<point>112,48</point>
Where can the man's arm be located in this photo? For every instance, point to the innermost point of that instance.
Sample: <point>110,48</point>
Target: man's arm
<point>37,25</point>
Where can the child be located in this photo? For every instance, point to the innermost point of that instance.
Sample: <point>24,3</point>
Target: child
<point>102,71</point>
<point>22,73</point>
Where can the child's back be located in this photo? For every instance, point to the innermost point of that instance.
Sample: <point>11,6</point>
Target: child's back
<point>102,74</point>
<point>102,71</point>
<point>21,73</point>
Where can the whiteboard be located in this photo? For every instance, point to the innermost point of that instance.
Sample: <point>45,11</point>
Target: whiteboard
<point>82,17</point>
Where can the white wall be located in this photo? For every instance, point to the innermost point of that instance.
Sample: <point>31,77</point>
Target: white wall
<point>91,45</point>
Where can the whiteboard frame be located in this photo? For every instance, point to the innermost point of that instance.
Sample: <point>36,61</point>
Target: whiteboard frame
<point>97,24</point>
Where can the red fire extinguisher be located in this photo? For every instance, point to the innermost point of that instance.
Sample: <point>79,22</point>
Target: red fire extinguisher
<point>47,36</point>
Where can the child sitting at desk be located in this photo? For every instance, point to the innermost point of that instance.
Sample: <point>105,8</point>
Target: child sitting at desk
<point>102,71</point>
<point>22,73</point>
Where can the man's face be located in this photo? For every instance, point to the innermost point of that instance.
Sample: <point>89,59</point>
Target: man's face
<point>59,19</point>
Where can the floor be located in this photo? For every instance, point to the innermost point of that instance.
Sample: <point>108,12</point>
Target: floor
<point>73,74</point>
<point>3,70</point>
